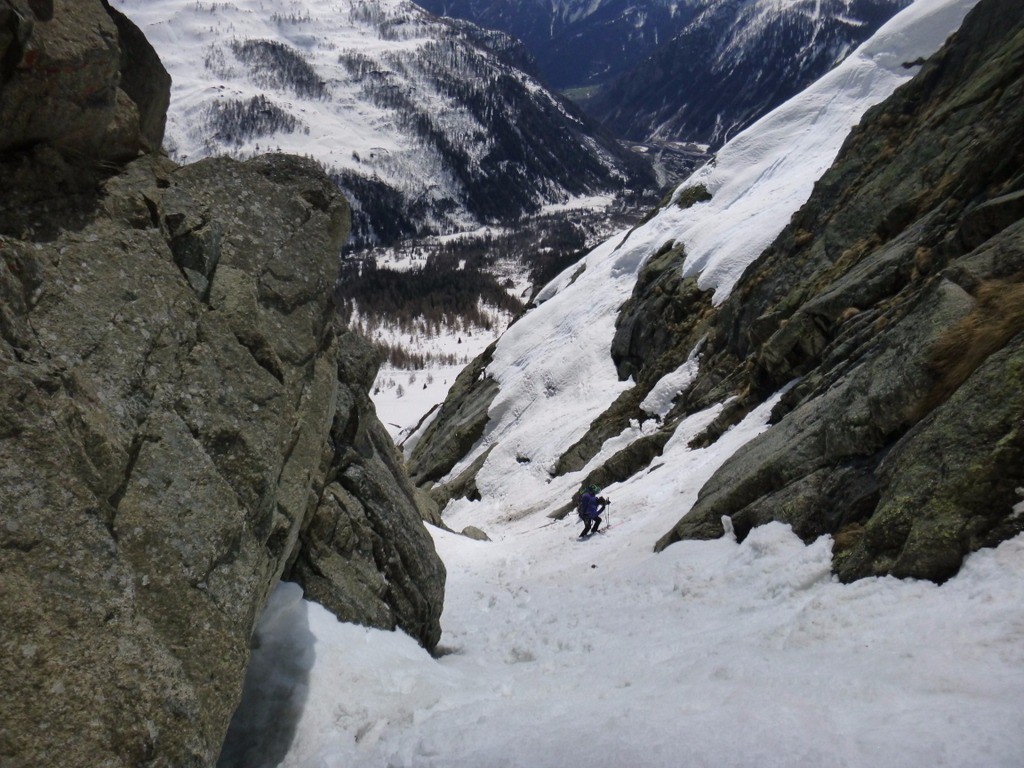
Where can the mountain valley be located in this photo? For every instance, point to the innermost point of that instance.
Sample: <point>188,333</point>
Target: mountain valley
<point>238,534</point>
<point>430,126</point>
<point>696,71</point>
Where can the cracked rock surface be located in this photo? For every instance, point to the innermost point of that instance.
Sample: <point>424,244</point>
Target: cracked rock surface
<point>173,433</point>
<point>183,422</point>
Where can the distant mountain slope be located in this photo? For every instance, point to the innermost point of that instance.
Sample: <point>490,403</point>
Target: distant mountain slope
<point>428,125</point>
<point>733,63</point>
<point>578,43</point>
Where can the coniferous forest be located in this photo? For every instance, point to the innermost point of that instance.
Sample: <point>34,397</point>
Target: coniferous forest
<point>444,291</point>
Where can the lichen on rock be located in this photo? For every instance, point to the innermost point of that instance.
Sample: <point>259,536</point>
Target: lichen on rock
<point>176,409</point>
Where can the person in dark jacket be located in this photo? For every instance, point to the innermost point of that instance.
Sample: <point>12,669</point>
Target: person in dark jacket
<point>590,508</point>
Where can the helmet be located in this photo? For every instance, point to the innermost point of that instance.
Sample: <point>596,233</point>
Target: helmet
<point>593,489</point>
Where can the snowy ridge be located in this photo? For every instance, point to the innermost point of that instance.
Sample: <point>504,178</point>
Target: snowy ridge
<point>765,174</point>
<point>710,653</point>
<point>759,19</point>
<point>417,117</point>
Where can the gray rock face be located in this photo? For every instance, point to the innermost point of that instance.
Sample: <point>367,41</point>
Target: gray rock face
<point>457,427</point>
<point>174,422</point>
<point>181,420</point>
<point>78,77</point>
<point>144,80</point>
<point>364,552</point>
<point>155,472</point>
<point>81,92</point>
<point>894,296</point>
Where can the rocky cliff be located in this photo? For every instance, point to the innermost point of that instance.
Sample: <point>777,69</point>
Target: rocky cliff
<point>893,301</point>
<point>183,422</point>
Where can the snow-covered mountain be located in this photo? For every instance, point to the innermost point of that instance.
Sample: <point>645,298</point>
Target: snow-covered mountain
<point>429,125</point>
<point>732,63</point>
<point>745,650</point>
<point>665,70</point>
<point>856,312</point>
<point>578,43</point>
<point>748,194</point>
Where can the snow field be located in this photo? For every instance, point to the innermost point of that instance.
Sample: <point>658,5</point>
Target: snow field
<point>712,653</point>
<point>402,396</point>
<point>599,653</point>
<point>345,130</point>
<point>400,413</point>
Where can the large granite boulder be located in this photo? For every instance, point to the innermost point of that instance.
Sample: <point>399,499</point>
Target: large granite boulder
<point>178,408</point>
<point>80,77</point>
<point>81,92</point>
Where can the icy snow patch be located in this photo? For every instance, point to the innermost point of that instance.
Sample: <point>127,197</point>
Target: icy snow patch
<point>659,400</point>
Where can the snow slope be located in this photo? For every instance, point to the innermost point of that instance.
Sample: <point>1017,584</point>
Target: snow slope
<point>599,654</point>
<point>765,174</point>
<point>194,42</point>
<point>602,654</point>
<point>553,366</point>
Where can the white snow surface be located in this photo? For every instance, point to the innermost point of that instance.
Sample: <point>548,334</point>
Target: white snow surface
<point>760,178</point>
<point>187,33</point>
<point>599,653</point>
<point>659,400</point>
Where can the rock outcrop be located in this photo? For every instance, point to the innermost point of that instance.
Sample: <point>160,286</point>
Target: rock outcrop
<point>82,92</point>
<point>453,431</point>
<point>364,552</point>
<point>182,419</point>
<point>894,298</point>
